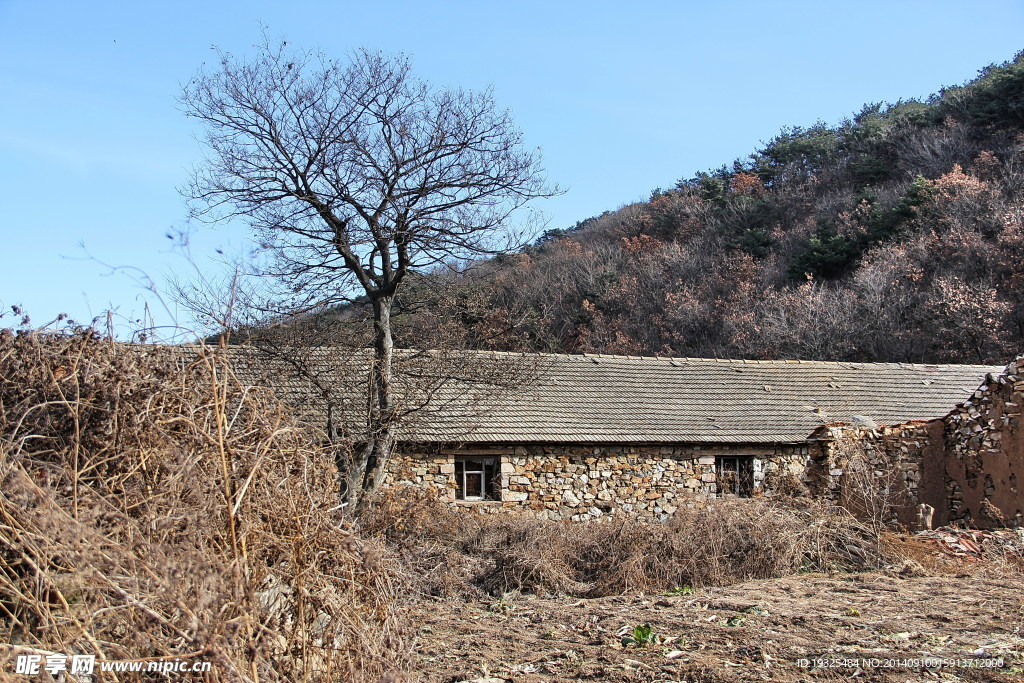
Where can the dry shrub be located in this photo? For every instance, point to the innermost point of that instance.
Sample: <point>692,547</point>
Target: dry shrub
<point>456,553</point>
<point>406,515</point>
<point>722,542</point>
<point>730,541</point>
<point>835,540</point>
<point>1005,558</point>
<point>429,536</point>
<point>153,508</point>
<point>715,543</point>
<point>786,484</point>
<point>616,556</point>
<point>529,554</point>
<point>873,488</point>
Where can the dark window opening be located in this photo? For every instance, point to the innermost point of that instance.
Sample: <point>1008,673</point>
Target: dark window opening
<point>476,478</point>
<point>736,475</point>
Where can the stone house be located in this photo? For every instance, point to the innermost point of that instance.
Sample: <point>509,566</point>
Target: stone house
<point>599,435</point>
<point>587,436</point>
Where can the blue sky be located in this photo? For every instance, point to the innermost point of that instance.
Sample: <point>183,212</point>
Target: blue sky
<point>622,98</point>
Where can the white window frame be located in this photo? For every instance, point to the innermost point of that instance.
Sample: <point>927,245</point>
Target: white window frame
<point>490,487</point>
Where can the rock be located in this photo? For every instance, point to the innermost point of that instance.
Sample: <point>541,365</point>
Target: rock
<point>863,422</point>
<point>911,568</point>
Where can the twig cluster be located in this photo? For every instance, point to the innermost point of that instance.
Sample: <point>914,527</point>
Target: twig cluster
<point>715,543</point>
<point>154,508</point>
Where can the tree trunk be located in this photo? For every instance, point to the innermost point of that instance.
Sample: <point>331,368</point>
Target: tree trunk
<point>368,470</point>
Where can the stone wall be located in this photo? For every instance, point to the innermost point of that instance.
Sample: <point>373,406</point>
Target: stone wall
<point>985,453</point>
<point>590,481</point>
<point>968,465</point>
<point>894,467</point>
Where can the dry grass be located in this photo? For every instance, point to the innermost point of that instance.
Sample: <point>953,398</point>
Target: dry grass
<point>713,544</point>
<point>152,508</point>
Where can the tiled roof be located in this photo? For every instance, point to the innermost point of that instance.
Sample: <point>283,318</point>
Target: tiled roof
<point>619,399</point>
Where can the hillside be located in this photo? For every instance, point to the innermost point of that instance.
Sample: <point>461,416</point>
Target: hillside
<point>894,236</point>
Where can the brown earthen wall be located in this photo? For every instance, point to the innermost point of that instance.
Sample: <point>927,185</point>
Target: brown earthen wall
<point>932,487</point>
<point>985,454</point>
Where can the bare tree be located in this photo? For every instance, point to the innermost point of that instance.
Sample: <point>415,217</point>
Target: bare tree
<point>353,175</point>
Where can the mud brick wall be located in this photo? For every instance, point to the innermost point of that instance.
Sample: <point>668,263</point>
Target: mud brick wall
<point>590,481</point>
<point>985,453</point>
<point>906,459</point>
<point>968,465</point>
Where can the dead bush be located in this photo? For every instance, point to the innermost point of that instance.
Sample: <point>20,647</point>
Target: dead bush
<point>722,542</point>
<point>786,484</point>
<point>731,541</point>
<point>430,537</point>
<point>621,555</point>
<point>406,516</point>
<point>717,542</point>
<point>835,540</point>
<point>155,509</point>
<point>873,488</point>
<point>530,555</point>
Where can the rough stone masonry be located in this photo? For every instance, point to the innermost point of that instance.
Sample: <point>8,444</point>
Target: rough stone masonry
<point>580,482</point>
<point>968,465</point>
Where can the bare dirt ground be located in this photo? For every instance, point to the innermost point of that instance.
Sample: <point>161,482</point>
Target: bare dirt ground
<point>962,621</point>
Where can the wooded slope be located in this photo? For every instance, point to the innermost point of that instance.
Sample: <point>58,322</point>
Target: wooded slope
<point>896,235</point>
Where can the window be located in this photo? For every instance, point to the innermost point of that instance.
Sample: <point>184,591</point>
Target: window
<point>476,478</point>
<point>736,475</point>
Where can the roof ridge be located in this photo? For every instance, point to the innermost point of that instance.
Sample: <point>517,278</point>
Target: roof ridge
<point>610,356</point>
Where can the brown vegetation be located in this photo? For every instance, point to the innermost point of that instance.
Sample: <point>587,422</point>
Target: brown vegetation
<point>715,543</point>
<point>891,237</point>
<point>152,509</point>
<point>943,289</point>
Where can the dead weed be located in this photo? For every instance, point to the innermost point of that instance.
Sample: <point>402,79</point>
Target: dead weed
<point>153,508</point>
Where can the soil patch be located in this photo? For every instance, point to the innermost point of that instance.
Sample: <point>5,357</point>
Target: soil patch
<point>879,626</point>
